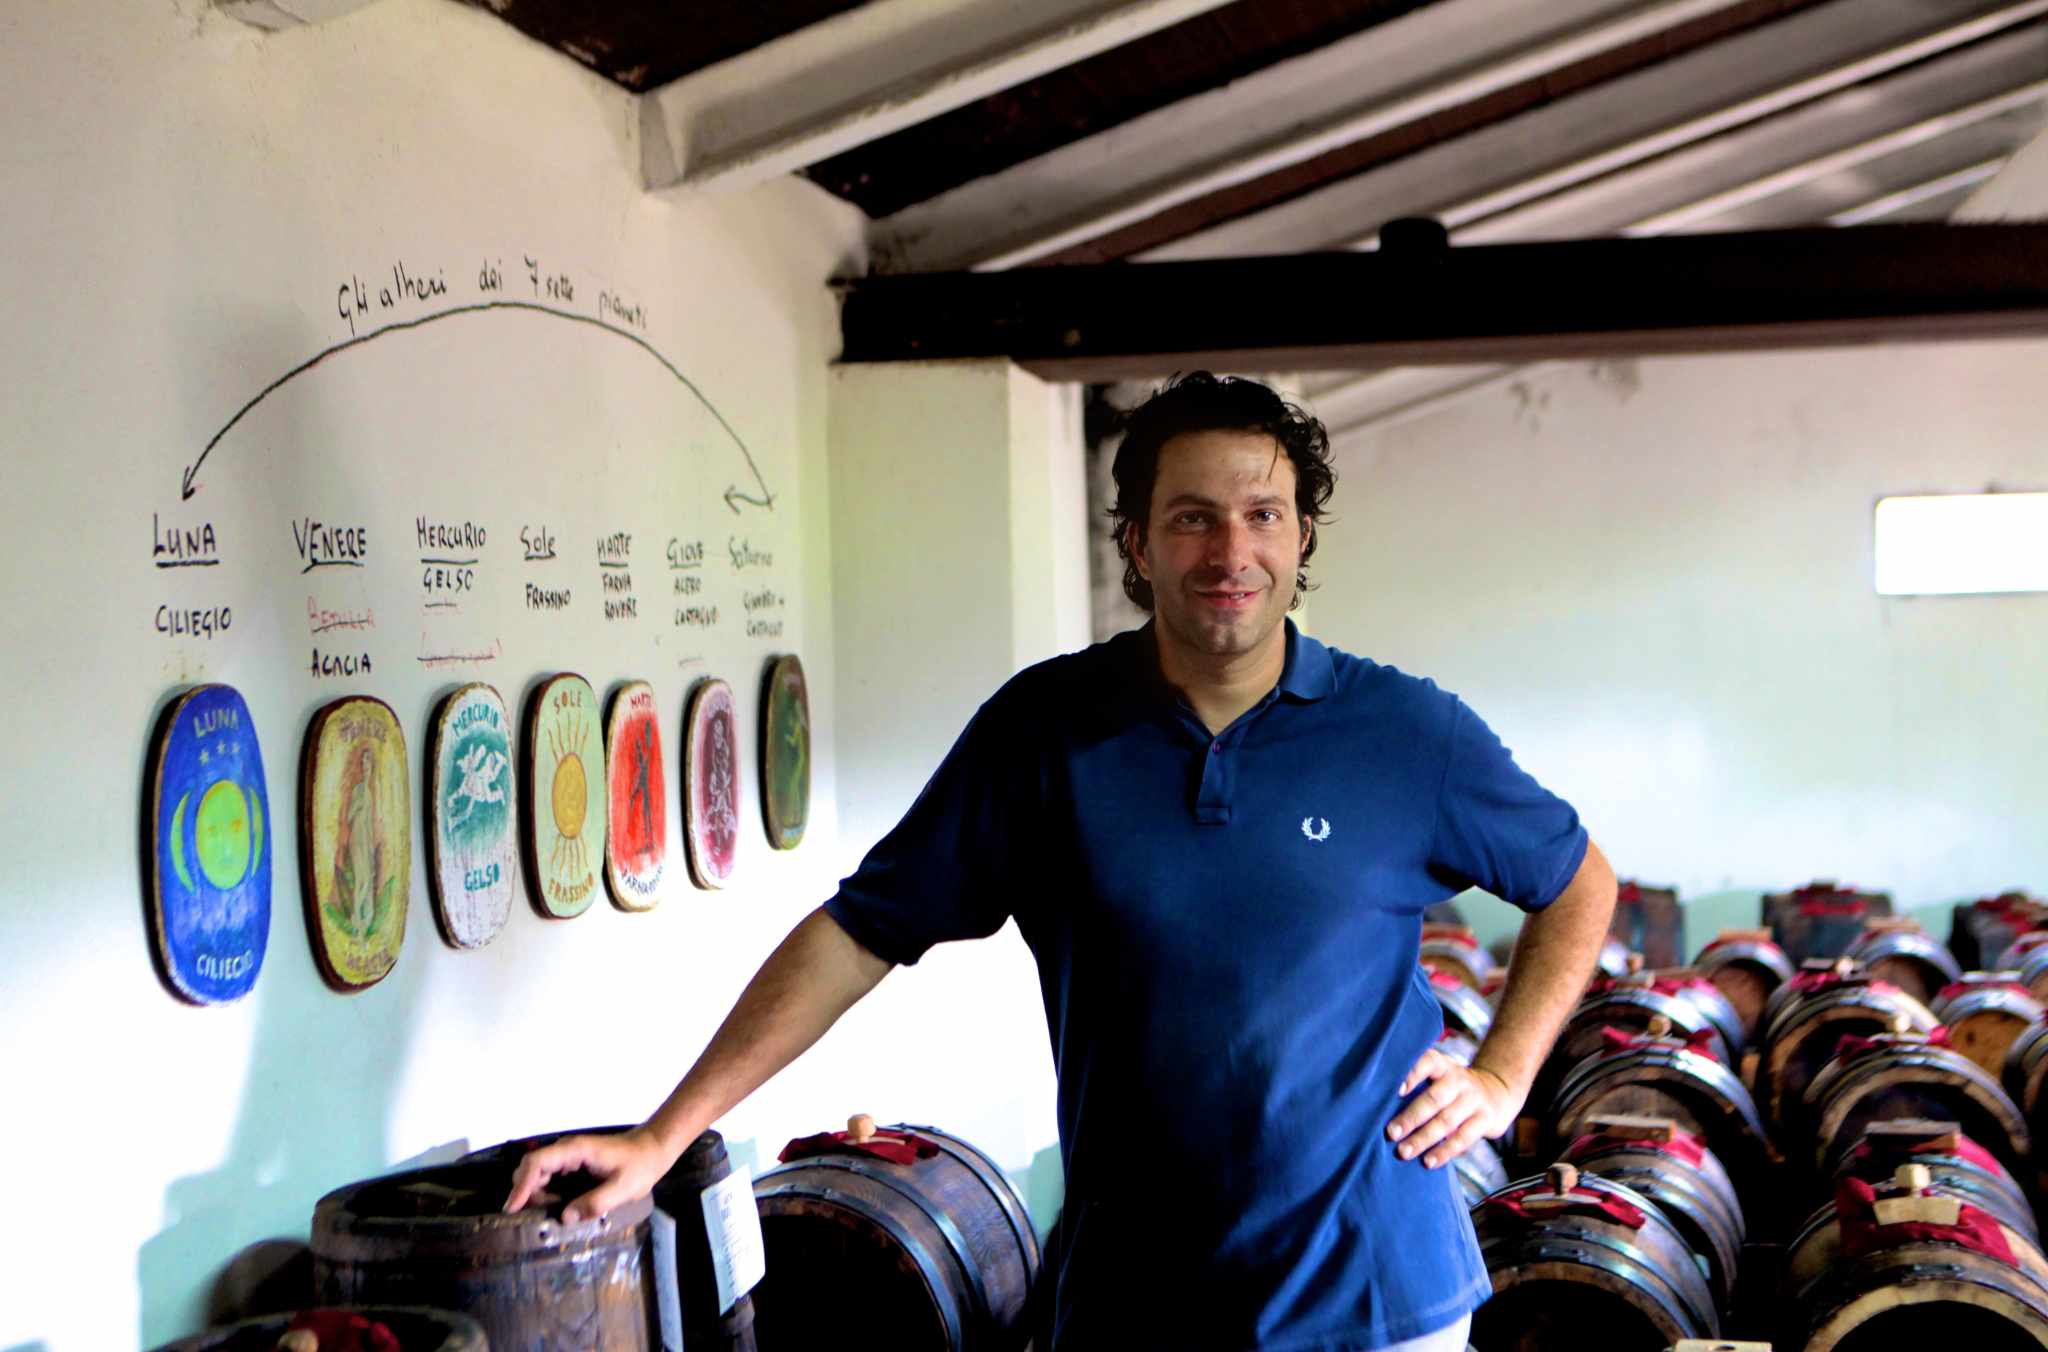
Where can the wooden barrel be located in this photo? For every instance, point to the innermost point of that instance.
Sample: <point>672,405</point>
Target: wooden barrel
<point>2033,973</point>
<point>1821,920</point>
<point>417,1330</point>
<point>1957,1165</point>
<point>1917,1276</point>
<point>2016,952</point>
<point>1664,1078</point>
<point>1465,1010</point>
<point>1676,1171</point>
<point>1984,929</point>
<point>1817,1011</point>
<point>1901,1074</point>
<point>1907,956</point>
<point>935,1254</point>
<point>1985,1013</point>
<point>436,1237</point>
<point>690,1313</point>
<point>1748,968</point>
<point>1455,949</point>
<point>2025,1075</point>
<point>1581,1261</point>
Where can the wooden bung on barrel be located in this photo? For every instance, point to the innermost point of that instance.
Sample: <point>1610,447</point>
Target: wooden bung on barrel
<point>1955,1164</point>
<point>937,1253</point>
<point>437,1237</point>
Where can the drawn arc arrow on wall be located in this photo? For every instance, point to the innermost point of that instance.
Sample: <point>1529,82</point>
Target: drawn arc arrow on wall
<point>733,495</point>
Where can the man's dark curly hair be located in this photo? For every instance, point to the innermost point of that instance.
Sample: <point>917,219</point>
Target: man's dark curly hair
<point>1201,402</point>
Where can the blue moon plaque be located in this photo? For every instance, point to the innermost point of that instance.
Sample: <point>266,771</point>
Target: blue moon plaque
<point>210,851</point>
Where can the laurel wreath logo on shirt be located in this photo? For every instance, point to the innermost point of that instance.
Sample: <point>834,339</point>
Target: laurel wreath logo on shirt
<point>1316,828</point>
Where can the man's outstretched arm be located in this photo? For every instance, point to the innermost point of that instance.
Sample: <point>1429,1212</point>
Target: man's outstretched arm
<point>814,976</point>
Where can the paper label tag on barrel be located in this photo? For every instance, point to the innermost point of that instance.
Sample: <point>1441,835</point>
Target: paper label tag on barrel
<point>355,840</point>
<point>565,797</point>
<point>732,1219</point>
<point>666,1299</point>
<point>209,886</point>
<point>636,835</point>
<point>786,753</point>
<point>469,836</point>
<point>711,784</point>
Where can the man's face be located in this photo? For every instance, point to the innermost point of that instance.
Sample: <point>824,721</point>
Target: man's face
<point>1223,542</point>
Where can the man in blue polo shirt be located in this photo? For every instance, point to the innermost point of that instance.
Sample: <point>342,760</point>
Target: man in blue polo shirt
<point>1217,837</point>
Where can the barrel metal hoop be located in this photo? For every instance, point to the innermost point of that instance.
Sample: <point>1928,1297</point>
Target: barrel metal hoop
<point>1006,1198</point>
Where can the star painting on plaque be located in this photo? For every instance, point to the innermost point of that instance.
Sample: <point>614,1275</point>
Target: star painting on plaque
<point>209,857</point>
<point>636,836</point>
<point>355,840</point>
<point>565,817</point>
<point>711,784</point>
<point>469,834</point>
<point>785,753</point>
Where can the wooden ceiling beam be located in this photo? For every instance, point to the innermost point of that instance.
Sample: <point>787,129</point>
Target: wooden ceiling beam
<point>1418,304</point>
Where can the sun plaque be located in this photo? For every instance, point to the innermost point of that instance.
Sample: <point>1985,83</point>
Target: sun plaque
<point>565,797</point>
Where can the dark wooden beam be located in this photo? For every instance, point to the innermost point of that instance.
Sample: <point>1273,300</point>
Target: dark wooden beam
<point>1415,304</point>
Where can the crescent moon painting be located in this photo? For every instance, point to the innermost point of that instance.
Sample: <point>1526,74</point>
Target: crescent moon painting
<point>209,884</point>
<point>355,841</point>
<point>564,807</point>
<point>711,784</point>
<point>470,836</point>
<point>785,753</point>
<point>636,837</point>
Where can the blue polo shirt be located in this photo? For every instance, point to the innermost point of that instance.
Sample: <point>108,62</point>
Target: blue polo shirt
<point>1227,930</point>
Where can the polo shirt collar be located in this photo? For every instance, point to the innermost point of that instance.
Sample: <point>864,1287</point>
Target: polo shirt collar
<point>1307,674</point>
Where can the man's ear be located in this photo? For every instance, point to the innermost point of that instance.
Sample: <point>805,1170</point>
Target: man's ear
<point>1308,533</point>
<point>1134,545</point>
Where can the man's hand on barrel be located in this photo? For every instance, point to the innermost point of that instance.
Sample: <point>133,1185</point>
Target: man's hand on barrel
<point>1460,1105</point>
<point>630,1163</point>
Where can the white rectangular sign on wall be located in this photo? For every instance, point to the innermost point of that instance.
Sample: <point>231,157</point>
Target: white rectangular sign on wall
<point>1962,543</point>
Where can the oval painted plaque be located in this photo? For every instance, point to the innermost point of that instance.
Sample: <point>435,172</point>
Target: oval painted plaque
<point>636,838</point>
<point>711,779</point>
<point>209,887</point>
<point>563,839</point>
<point>785,753</point>
<point>355,840</point>
<point>470,827</point>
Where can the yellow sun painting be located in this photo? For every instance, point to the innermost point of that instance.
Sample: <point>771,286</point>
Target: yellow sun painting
<point>565,810</point>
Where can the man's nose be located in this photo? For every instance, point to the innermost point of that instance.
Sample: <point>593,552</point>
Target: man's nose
<point>1230,546</point>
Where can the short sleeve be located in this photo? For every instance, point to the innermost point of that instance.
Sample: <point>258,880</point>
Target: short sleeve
<point>943,871</point>
<point>1496,827</point>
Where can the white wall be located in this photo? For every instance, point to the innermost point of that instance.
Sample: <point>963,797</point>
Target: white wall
<point>1654,580</point>
<point>185,198</point>
<point>958,514</point>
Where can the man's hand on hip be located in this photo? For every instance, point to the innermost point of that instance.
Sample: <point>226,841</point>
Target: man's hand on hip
<point>1460,1105</point>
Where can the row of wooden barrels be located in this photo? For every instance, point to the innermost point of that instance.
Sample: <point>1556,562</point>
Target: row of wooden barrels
<point>1671,1094</point>
<point>902,1237</point>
